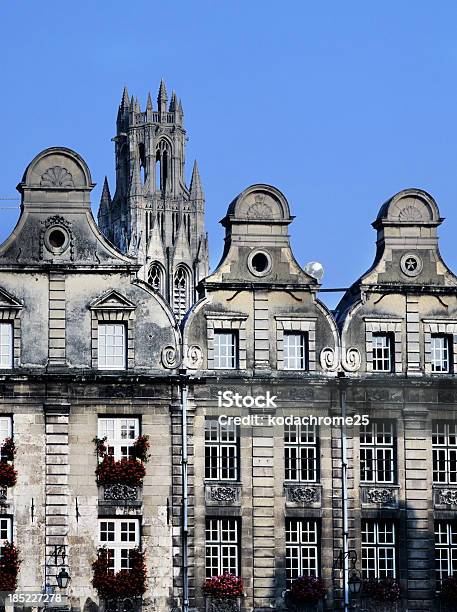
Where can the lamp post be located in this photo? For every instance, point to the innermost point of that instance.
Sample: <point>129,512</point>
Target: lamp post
<point>354,580</point>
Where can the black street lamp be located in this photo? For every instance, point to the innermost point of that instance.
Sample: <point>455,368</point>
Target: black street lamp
<point>355,582</point>
<point>63,578</point>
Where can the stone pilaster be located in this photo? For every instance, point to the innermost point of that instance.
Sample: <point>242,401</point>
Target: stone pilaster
<point>57,316</point>
<point>412,335</point>
<point>417,502</point>
<point>261,331</point>
<point>56,483</point>
<point>263,516</point>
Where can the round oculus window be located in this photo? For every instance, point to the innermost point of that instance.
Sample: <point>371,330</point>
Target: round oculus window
<point>259,263</point>
<point>57,240</point>
<point>411,264</point>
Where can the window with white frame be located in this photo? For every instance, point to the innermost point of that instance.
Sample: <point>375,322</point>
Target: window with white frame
<point>377,452</point>
<point>444,450</point>
<point>302,548</point>
<point>6,529</point>
<point>120,434</point>
<point>445,550</point>
<point>295,347</point>
<point>221,450</point>
<point>441,353</point>
<point>222,546</point>
<point>6,346</point>
<point>120,537</point>
<point>378,549</point>
<point>112,354</point>
<point>383,353</point>
<point>300,453</point>
<point>225,350</point>
<point>6,428</point>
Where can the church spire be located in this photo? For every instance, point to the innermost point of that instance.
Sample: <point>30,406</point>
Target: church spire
<point>172,102</point>
<point>196,189</point>
<point>162,97</point>
<point>149,102</point>
<point>125,102</point>
<point>104,210</point>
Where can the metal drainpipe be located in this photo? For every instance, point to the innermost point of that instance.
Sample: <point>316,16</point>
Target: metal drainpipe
<point>344,475</point>
<point>184,457</point>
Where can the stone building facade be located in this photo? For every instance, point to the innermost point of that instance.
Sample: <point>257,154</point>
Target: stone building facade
<point>91,348</point>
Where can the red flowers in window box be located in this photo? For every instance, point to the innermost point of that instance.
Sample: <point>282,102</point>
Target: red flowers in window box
<point>224,586</point>
<point>128,470</point>
<point>125,583</point>
<point>384,590</point>
<point>307,590</point>
<point>8,474</point>
<point>9,567</point>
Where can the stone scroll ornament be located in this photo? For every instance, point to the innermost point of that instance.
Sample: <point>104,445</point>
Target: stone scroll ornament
<point>170,357</point>
<point>448,497</point>
<point>304,495</point>
<point>194,358</point>
<point>380,496</point>
<point>120,492</point>
<point>329,359</point>
<point>223,494</point>
<point>353,360</point>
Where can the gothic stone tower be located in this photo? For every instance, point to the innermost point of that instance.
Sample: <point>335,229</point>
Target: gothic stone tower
<point>153,216</point>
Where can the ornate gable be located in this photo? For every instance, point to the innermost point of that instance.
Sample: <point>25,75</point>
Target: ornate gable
<point>112,300</point>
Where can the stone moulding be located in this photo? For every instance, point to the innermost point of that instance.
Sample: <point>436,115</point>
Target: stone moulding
<point>307,494</point>
<point>226,494</point>
<point>379,495</point>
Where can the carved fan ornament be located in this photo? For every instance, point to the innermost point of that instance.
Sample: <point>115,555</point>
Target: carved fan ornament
<point>56,178</point>
<point>259,210</point>
<point>410,213</point>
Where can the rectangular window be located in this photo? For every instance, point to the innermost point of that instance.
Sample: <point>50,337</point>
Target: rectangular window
<point>445,550</point>
<point>295,346</point>
<point>302,548</point>
<point>441,353</point>
<point>221,451</point>
<point>222,546</point>
<point>120,435</point>
<point>377,452</point>
<point>225,350</point>
<point>6,346</point>
<point>6,529</point>
<point>378,549</point>
<point>383,356</point>
<point>119,536</point>
<point>300,453</point>
<point>444,450</point>
<point>6,428</point>
<point>111,346</point>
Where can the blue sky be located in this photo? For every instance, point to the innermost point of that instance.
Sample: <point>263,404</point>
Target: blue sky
<point>338,104</point>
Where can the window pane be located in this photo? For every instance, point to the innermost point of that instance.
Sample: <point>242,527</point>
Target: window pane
<point>295,348</point>
<point>225,350</point>
<point>378,549</point>
<point>111,346</point>
<point>377,445</point>
<point>440,353</point>
<point>221,451</point>
<point>300,453</point>
<point>302,548</point>
<point>382,353</point>
<point>6,345</point>
<point>222,547</point>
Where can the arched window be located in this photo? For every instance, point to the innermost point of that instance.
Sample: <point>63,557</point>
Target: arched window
<point>142,157</point>
<point>181,291</point>
<point>162,165</point>
<point>156,276</point>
